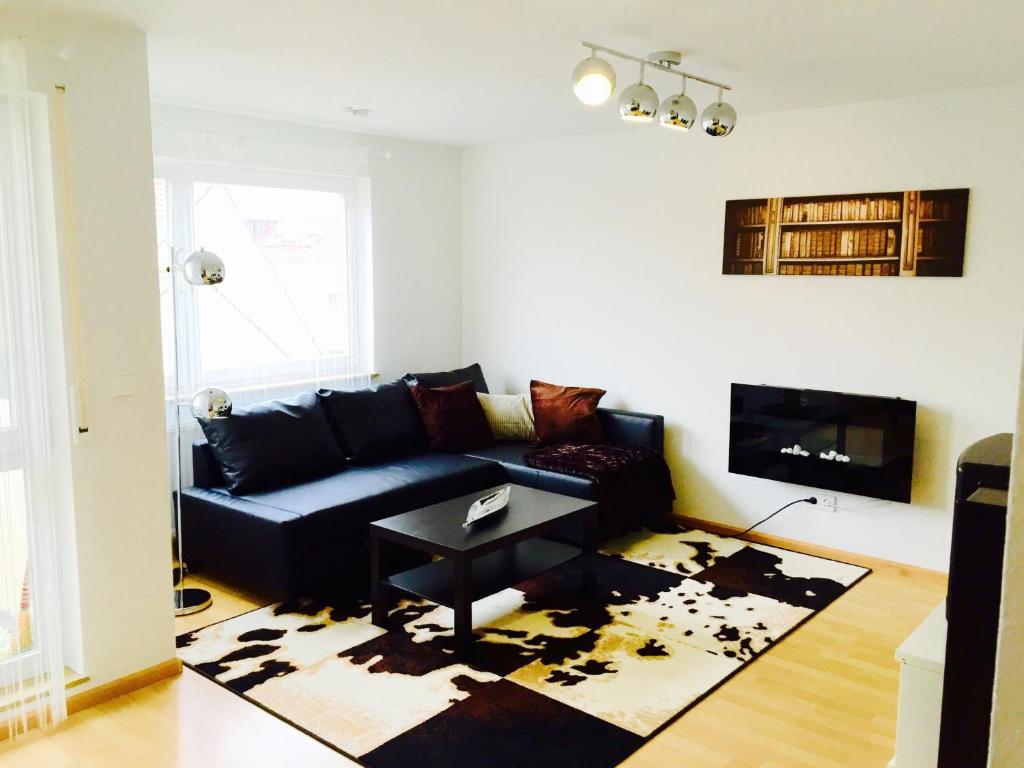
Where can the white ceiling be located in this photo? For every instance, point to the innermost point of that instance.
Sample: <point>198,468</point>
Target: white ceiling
<point>482,71</point>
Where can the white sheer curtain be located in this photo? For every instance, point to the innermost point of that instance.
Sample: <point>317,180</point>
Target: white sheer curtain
<point>31,663</point>
<point>293,313</point>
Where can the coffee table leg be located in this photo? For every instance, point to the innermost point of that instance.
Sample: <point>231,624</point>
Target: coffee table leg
<point>590,540</point>
<point>378,592</point>
<point>462,580</point>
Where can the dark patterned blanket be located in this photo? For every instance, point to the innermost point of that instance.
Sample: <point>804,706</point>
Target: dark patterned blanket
<point>634,484</point>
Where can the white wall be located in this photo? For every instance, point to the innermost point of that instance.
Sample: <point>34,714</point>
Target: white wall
<point>415,202</point>
<point>596,260</point>
<point>121,533</point>
<point>1007,743</point>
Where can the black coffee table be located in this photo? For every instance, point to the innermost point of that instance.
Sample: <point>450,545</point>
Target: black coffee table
<point>493,553</point>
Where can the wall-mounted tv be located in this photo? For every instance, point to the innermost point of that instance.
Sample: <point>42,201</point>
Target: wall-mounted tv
<point>851,443</point>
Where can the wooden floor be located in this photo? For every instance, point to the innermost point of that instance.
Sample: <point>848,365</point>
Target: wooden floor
<point>824,697</point>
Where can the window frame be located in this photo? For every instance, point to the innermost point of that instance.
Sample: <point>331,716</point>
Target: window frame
<point>180,178</point>
<point>15,454</point>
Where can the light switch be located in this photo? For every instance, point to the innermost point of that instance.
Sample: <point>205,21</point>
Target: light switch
<point>123,385</point>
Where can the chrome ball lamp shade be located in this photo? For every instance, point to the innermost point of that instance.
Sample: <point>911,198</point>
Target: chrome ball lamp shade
<point>718,119</point>
<point>203,268</point>
<point>677,112</point>
<point>593,80</point>
<point>211,403</point>
<point>638,103</point>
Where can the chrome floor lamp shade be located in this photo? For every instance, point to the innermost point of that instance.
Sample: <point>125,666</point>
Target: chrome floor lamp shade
<point>201,268</point>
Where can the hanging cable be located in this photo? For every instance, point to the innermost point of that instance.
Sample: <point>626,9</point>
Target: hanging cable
<point>809,500</point>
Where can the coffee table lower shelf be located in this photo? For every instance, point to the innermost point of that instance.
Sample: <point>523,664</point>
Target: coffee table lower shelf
<point>490,573</point>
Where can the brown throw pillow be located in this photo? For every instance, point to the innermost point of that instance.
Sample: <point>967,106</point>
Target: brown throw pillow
<point>453,417</point>
<point>566,414</point>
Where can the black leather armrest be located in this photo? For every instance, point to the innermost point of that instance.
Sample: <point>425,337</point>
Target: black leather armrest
<point>241,542</point>
<point>205,469</point>
<point>642,430</point>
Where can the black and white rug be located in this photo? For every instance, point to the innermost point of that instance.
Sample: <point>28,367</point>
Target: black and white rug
<point>555,678</point>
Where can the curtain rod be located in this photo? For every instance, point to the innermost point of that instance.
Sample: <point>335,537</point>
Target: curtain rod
<point>80,395</point>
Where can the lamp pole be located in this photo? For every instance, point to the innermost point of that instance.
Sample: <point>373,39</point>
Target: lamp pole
<point>201,268</point>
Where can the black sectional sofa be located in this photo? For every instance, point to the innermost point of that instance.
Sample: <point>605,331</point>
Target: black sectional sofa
<point>309,537</point>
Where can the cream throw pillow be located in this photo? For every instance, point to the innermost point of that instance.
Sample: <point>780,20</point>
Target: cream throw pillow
<point>510,416</point>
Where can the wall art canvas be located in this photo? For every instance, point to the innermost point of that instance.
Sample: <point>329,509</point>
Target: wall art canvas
<point>917,233</point>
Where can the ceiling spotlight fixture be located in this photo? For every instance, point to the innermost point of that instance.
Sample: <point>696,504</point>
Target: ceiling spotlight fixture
<point>719,118</point>
<point>593,81</point>
<point>678,111</point>
<point>638,103</point>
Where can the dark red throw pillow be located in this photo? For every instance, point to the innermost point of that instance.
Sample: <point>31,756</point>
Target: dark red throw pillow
<point>453,417</point>
<point>566,414</point>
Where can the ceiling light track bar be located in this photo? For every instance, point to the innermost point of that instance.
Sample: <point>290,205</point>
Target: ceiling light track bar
<point>655,65</point>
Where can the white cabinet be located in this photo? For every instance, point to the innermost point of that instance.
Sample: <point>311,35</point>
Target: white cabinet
<point>922,659</point>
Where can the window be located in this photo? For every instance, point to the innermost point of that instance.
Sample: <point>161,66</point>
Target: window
<point>291,313</point>
<point>5,390</point>
<point>15,613</point>
<point>33,477</point>
<point>15,617</point>
<point>282,310</point>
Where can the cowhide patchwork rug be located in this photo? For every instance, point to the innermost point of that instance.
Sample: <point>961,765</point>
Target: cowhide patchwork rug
<point>557,678</point>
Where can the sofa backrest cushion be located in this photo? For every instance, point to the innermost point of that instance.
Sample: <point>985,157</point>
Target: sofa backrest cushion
<point>472,373</point>
<point>453,417</point>
<point>374,423</point>
<point>273,444</point>
<point>510,416</point>
<point>566,414</point>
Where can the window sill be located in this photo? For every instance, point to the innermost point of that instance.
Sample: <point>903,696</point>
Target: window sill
<point>182,399</point>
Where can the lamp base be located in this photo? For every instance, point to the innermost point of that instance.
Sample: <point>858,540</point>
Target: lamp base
<point>191,600</point>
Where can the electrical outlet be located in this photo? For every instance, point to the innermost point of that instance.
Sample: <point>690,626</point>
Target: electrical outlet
<point>829,502</point>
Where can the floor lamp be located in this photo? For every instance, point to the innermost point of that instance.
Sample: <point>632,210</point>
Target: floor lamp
<point>201,268</point>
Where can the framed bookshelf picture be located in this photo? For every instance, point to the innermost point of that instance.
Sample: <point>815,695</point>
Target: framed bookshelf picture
<point>917,233</point>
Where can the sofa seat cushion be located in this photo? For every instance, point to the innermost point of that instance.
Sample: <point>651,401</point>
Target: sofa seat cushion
<point>345,503</point>
<point>510,454</point>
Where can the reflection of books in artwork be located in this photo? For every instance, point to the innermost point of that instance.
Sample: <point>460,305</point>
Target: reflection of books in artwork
<point>857,235</point>
<point>849,209</point>
<point>746,236</point>
<point>749,245</point>
<point>932,208</point>
<point>874,269</point>
<point>940,231</point>
<point>926,243</point>
<point>752,215</point>
<point>488,505</point>
<point>867,242</point>
<point>885,234</point>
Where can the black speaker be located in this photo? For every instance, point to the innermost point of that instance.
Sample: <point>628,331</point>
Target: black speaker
<point>972,601</point>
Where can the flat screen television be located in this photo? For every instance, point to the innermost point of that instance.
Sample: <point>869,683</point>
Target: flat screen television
<point>850,443</point>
